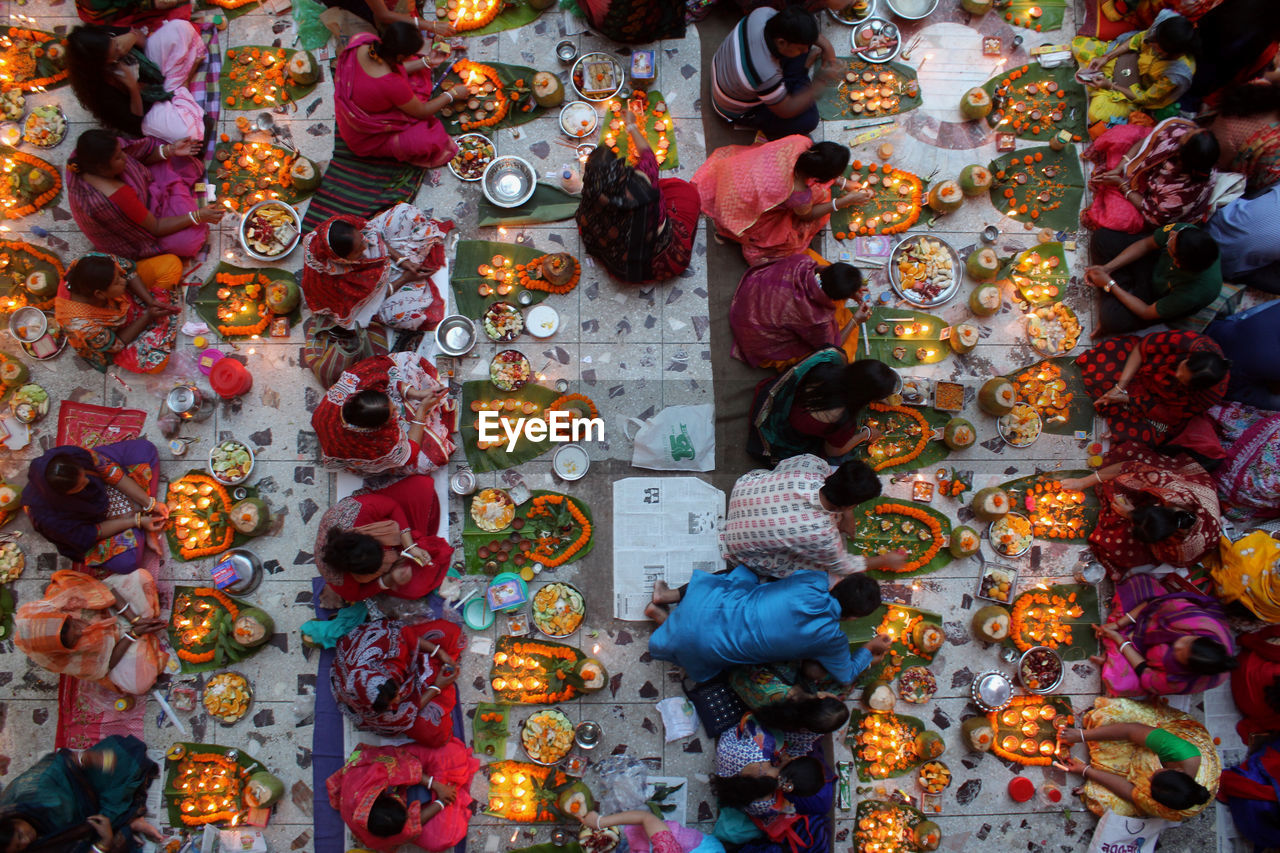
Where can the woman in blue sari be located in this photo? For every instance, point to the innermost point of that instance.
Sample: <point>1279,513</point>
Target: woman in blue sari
<point>98,506</point>
<point>74,803</point>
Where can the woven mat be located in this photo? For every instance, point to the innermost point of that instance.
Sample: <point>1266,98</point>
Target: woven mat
<point>360,187</point>
<point>86,425</point>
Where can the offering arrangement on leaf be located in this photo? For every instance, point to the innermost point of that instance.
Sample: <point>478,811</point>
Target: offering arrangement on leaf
<point>498,93</point>
<point>917,636</point>
<point>551,529</point>
<point>887,744</point>
<point>525,793</point>
<point>259,77</point>
<point>869,89</point>
<point>885,525</point>
<point>541,672</point>
<point>244,303</point>
<point>894,208</point>
<point>32,60</point>
<point>1060,617</point>
<point>1036,102</point>
<point>210,629</point>
<point>29,183</point>
<point>529,401</point>
<point>1038,15</point>
<point>490,729</point>
<point>1054,512</point>
<point>246,173</point>
<point>891,827</point>
<point>1039,274</point>
<point>199,517</point>
<point>1026,732</point>
<point>475,153</point>
<point>902,337</point>
<point>29,275</point>
<point>1039,185</point>
<point>1054,388</point>
<point>906,440</point>
<point>654,120</point>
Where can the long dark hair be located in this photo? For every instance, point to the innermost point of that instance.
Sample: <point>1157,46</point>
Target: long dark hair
<point>1250,99</point>
<point>847,386</point>
<point>88,61</point>
<point>1156,523</point>
<point>94,150</point>
<point>398,41</point>
<point>809,714</point>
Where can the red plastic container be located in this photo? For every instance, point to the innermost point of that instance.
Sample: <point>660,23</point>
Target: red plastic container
<point>1021,789</point>
<point>230,378</point>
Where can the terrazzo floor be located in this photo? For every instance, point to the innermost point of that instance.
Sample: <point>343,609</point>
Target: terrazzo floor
<point>633,351</point>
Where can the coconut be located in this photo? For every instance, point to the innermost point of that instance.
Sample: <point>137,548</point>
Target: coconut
<point>39,180</point>
<point>997,396</point>
<point>928,835</point>
<point>982,264</point>
<point>975,180</point>
<point>548,91</point>
<point>593,674</point>
<point>977,7</point>
<point>990,503</point>
<point>40,285</point>
<point>975,103</point>
<point>10,496</point>
<point>253,627</point>
<point>964,542</point>
<point>304,174</point>
<point>985,300</point>
<point>945,197</point>
<point>964,337</point>
<point>575,801</point>
<point>959,434</point>
<point>302,69</point>
<point>262,790</point>
<point>251,516</point>
<point>879,696</point>
<point>558,268</point>
<point>283,296</point>
<point>929,745</point>
<point>927,637</point>
<point>13,372</point>
<point>979,734</point>
<point>991,623</point>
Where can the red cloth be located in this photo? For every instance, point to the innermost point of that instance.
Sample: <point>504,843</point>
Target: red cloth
<point>333,283</point>
<point>1110,209</point>
<point>130,205</point>
<point>1259,669</point>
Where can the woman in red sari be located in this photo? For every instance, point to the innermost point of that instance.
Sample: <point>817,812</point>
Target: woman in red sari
<point>1255,684</point>
<point>383,103</point>
<point>1155,509</point>
<point>408,794</point>
<point>1150,388</point>
<point>384,541</point>
<point>775,198</point>
<point>398,680</point>
<point>387,414</point>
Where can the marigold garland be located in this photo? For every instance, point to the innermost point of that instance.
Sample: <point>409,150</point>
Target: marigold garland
<point>39,201</point>
<point>914,512</point>
<point>561,403</point>
<point>922,440</point>
<point>530,277</point>
<point>463,20</point>
<point>228,281</point>
<point>888,177</point>
<point>1017,756</point>
<point>19,247</point>
<point>545,552</point>
<point>184,602</point>
<point>1047,629</point>
<point>189,772</point>
<point>180,502</point>
<point>257,84</point>
<point>464,68</point>
<point>19,69</point>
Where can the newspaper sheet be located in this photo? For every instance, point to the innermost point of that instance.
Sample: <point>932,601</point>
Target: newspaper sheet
<point>664,528</point>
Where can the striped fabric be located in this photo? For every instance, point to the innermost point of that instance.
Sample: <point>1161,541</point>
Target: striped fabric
<point>745,73</point>
<point>360,187</point>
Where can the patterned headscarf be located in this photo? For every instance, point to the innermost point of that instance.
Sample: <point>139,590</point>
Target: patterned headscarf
<point>332,284</point>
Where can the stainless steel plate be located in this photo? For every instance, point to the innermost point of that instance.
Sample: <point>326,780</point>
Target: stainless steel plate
<point>947,294</point>
<point>992,690</point>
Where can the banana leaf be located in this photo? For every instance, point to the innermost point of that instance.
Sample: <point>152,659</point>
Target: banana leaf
<point>914,725</point>
<point>473,538</point>
<point>906,817</point>
<point>1083,642</point>
<point>900,656</point>
<point>243,184</point>
<point>19,260</point>
<point>882,344</point>
<point>1045,728</point>
<point>1072,103</point>
<point>206,300</point>
<point>19,189</point>
<point>522,109</point>
<point>312,33</point>
<point>234,92</point>
<point>1034,284</point>
<point>498,458</point>
<point>1019,13</point>
<point>1056,173</point>
<point>1079,411</point>
<point>489,737</point>
<point>1022,489</point>
<point>871,537</point>
<point>903,210</point>
<point>834,104</point>
<point>225,627</point>
<point>621,139</point>
<point>548,204</point>
<point>173,797</point>
<point>515,14</point>
<point>466,280</point>
<point>556,665</point>
<point>892,424</point>
<point>542,783</point>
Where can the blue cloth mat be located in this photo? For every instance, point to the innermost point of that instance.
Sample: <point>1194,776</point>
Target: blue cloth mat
<point>328,753</point>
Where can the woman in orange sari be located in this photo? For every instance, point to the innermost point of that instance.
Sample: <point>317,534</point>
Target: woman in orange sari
<point>104,631</point>
<point>775,198</point>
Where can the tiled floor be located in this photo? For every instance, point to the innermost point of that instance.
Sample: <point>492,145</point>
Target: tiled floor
<point>634,351</point>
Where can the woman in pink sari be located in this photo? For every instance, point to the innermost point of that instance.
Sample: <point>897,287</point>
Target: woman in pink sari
<point>775,198</point>
<point>384,108</point>
<point>408,794</point>
<point>1151,177</point>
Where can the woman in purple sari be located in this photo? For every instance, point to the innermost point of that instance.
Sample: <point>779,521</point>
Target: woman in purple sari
<point>384,103</point>
<point>1166,643</point>
<point>98,506</point>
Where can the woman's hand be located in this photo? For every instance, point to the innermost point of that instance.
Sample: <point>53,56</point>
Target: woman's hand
<point>857,196</point>
<point>184,148</point>
<point>1109,632</point>
<point>1070,764</point>
<point>863,313</point>
<point>445,792</point>
<point>1109,179</point>
<point>148,626</point>
<point>400,574</point>
<point>879,646</point>
<point>872,433</point>
<point>1099,277</point>
<point>461,92</point>
<point>1077,484</point>
<point>1116,394</point>
<point>126,73</point>
<point>447,676</point>
<point>1097,63</point>
<point>151,523</point>
<point>211,213</point>
<point>102,826</point>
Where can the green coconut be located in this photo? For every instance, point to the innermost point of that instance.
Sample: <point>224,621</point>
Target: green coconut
<point>253,627</point>
<point>927,637</point>
<point>548,90</point>
<point>977,7</point>
<point>262,790</point>
<point>997,396</point>
<point>964,337</point>
<point>975,104</point>
<point>302,68</point>
<point>929,745</point>
<point>879,696</point>
<point>575,801</point>
<point>975,180</point>
<point>251,516</point>
<point>283,296</point>
<point>978,733</point>
<point>592,674</point>
<point>39,284</point>
<point>304,174</point>
<point>928,835</point>
<point>985,300</point>
<point>959,434</point>
<point>991,623</point>
<point>990,503</point>
<point>13,372</point>
<point>964,542</point>
<point>10,496</point>
<point>945,197</point>
<point>982,264</point>
<point>39,180</point>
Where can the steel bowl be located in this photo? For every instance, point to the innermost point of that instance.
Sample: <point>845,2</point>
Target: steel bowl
<point>238,480</point>
<point>948,293</point>
<point>991,690</point>
<point>912,10</point>
<point>584,110</point>
<point>456,335</point>
<point>875,25</point>
<point>871,11</point>
<point>28,324</point>
<point>509,181</point>
<point>579,67</point>
<point>567,455</point>
<point>1062,670</point>
<point>991,530</point>
<point>289,247</point>
<point>248,568</point>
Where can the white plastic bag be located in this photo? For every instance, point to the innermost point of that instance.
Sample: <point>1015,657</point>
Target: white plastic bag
<point>679,438</point>
<point>1116,834</point>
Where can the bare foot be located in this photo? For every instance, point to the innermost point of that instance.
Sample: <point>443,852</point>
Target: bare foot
<point>153,542</point>
<point>656,612</point>
<point>663,594</point>
<point>144,827</point>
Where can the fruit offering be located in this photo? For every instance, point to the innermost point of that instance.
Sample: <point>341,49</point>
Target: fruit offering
<point>45,126</point>
<point>1053,329</point>
<point>493,510</point>
<point>12,562</point>
<point>475,152</point>
<point>934,777</point>
<point>547,736</point>
<point>503,322</point>
<point>1040,670</point>
<point>1021,427</point>
<point>558,609</point>
<point>654,120</point>
<point>997,584</point>
<point>509,370</point>
<point>1043,386</point>
<point>925,270</point>
<point>894,207</point>
<point>917,685</point>
<point>272,230</point>
<point>227,697</point>
<point>1011,535</point>
<point>12,104</point>
<point>231,462</point>
<point>1044,618</point>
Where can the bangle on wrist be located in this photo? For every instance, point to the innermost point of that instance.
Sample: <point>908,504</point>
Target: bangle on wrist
<point>1125,644</point>
<point>194,217</point>
<point>450,95</point>
<point>137,519</point>
<point>1097,477</point>
<point>151,504</point>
